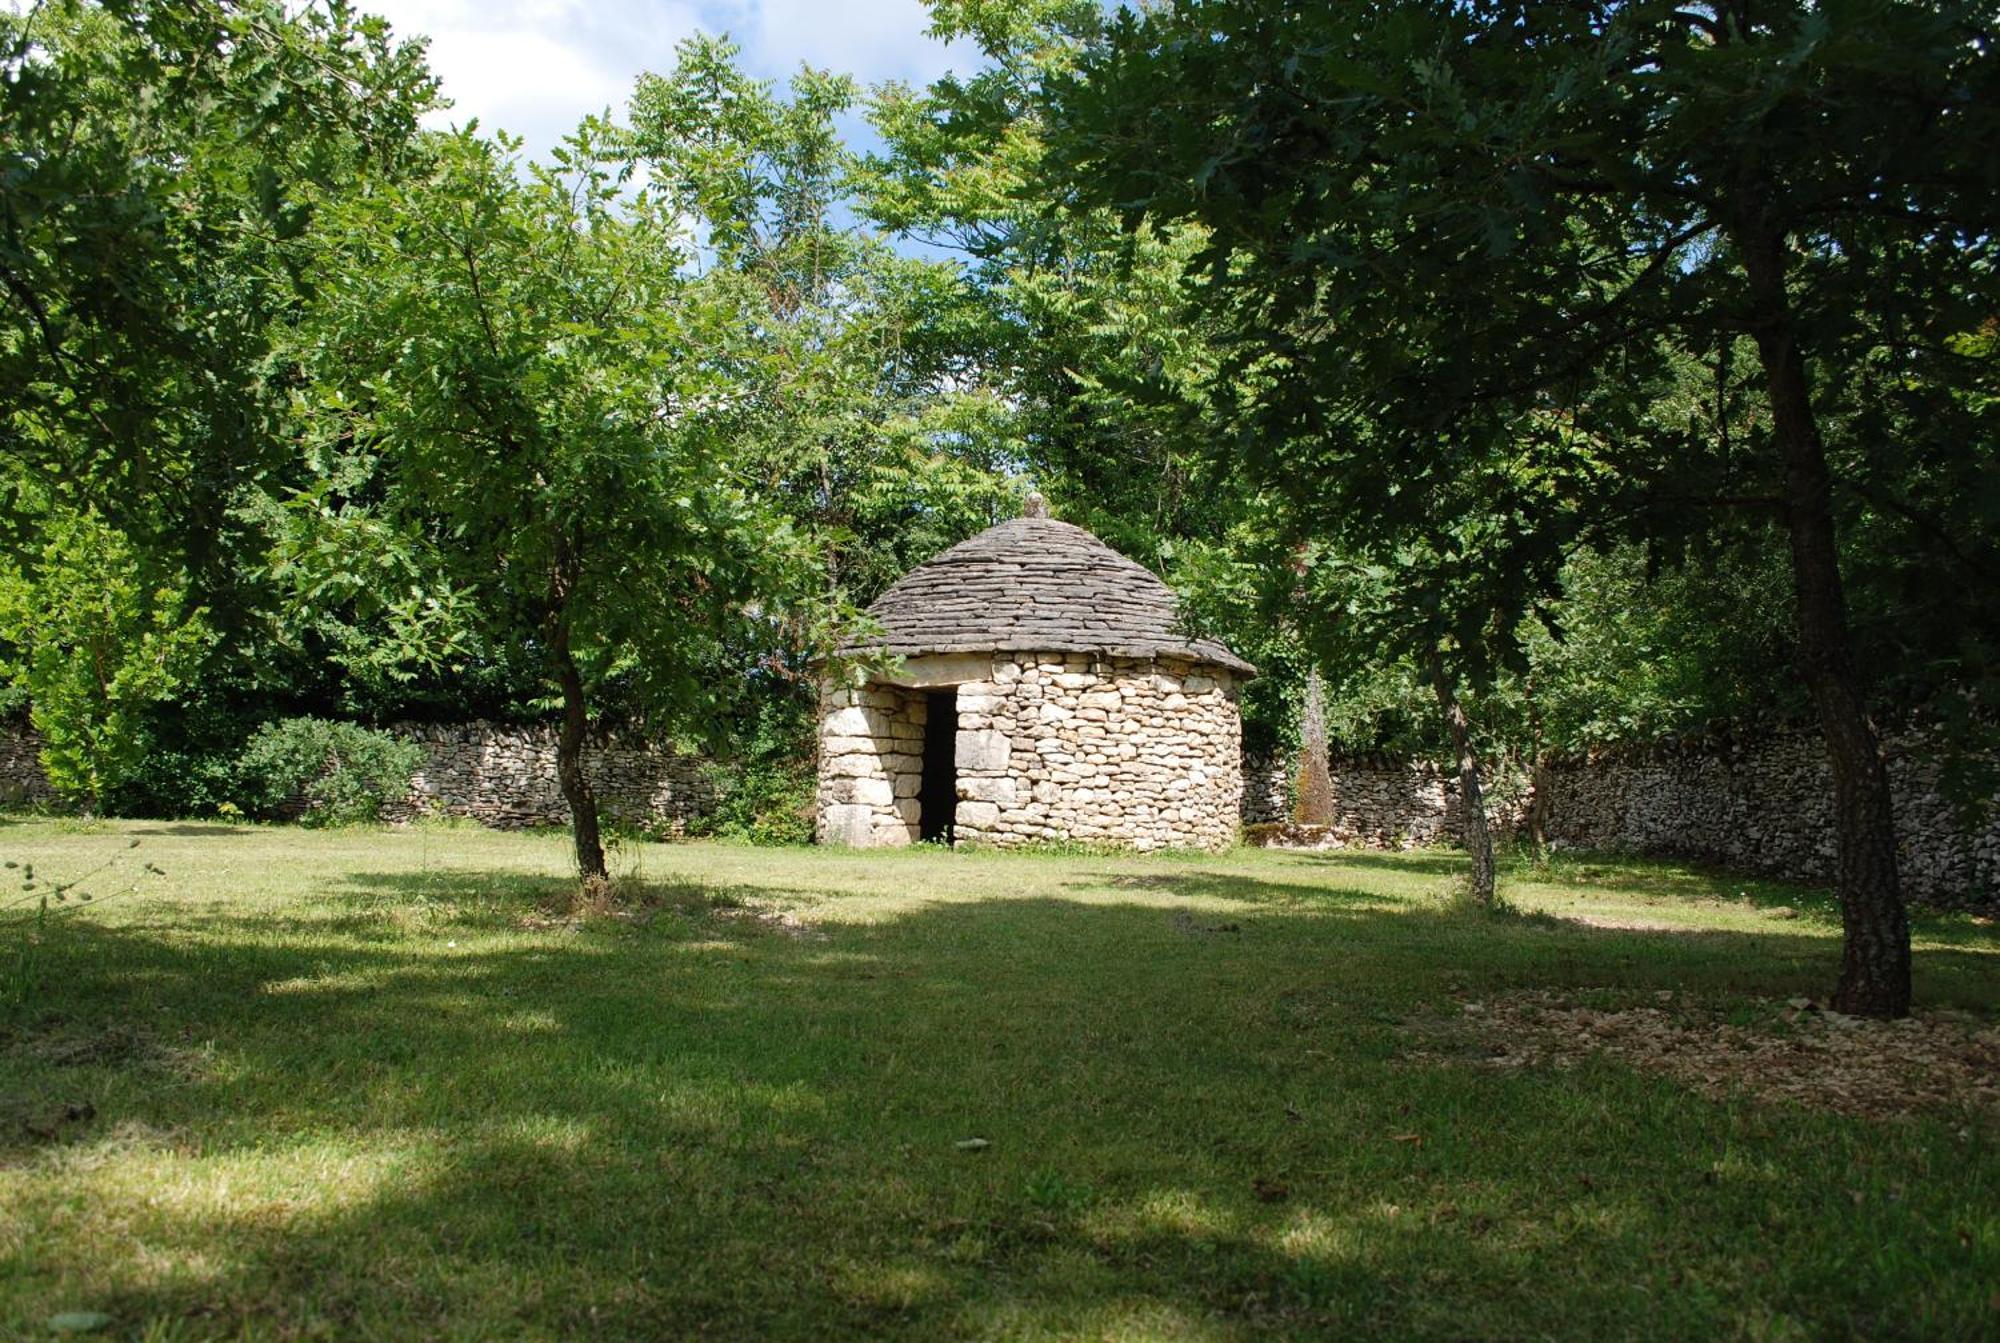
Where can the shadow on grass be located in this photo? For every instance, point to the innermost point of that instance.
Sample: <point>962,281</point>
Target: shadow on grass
<point>1231,886</point>
<point>192,829</point>
<point>698,1124</point>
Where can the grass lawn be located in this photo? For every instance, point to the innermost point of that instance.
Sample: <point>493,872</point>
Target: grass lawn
<point>358,1085</point>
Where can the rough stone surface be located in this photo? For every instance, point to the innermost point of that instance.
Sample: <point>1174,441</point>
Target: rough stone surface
<point>1377,804</point>
<point>505,776</point>
<point>23,783</point>
<point>1049,747</point>
<point>502,775</point>
<point>1761,805</point>
<point>1767,806</point>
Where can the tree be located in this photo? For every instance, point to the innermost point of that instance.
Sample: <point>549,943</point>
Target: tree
<point>516,378</point>
<point>874,437</point>
<point>160,168</point>
<point>1450,224</point>
<point>95,641</point>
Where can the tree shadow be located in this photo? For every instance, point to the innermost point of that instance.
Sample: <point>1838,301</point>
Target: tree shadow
<point>192,829</point>
<point>1427,862</point>
<point>696,1123</point>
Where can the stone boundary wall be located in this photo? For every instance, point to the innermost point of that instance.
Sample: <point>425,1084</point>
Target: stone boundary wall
<point>499,774</point>
<point>1377,804</point>
<point>1763,805</point>
<point>1767,806</point>
<point>23,783</point>
<point>505,776</point>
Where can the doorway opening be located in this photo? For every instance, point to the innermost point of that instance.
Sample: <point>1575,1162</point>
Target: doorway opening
<point>937,795</point>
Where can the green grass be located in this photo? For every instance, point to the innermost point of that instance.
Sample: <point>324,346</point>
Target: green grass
<point>351,1085</point>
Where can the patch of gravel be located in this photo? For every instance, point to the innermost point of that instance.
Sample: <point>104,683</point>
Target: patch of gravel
<point>1791,1050</point>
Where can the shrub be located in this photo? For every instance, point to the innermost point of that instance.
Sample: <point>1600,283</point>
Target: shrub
<point>323,772</point>
<point>766,801</point>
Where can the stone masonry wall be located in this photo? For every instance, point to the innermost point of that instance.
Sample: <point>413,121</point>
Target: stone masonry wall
<point>1378,804</point>
<point>1767,806</point>
<point>1048,747</point>
<point>505,776</point>
<point>1760,806</point>
<point>502,775</point>
<point>23,783</point>
<point>871,749</point>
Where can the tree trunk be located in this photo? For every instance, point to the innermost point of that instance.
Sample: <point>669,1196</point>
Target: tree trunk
<point>1478,835</point>
<point>1541,780</point>
<point>1875,954</point>
<point>576,788</point>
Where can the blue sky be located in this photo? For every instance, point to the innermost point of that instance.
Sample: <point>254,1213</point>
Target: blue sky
<point>536,67</point>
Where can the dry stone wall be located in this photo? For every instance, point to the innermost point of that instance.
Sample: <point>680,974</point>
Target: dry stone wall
<point>870,764</point>
<point>1767,806</point>
<point>1377,804</point>
<point>505,776</point>
<point>1761,805</point>
<point>23,782</point>
<point>1049,747</point>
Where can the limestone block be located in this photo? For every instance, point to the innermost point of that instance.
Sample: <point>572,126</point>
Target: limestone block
<point>1055,713</point>
<point>856,766</point>
<point>848,746</point>
<point>983,752</point>
<point>908,785</point>
<point>938,670</point>
<point>1046,792</point>
<point>851,722</point>
<point>987,790</point>
<point>846,824</point>
<point>894,834</point>
<point>977,815</point>
<point>873,792</point>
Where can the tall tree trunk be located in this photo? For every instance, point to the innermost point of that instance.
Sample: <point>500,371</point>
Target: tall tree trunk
<point>1875,955</point>
<point>576,788</point>
<point>1541,779</point>
<point>1478,835</point>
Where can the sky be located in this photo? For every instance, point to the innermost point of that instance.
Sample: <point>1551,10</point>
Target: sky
<point>537,67</point>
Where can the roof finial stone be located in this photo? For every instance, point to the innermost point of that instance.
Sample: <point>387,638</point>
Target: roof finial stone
<point>1036,505</point>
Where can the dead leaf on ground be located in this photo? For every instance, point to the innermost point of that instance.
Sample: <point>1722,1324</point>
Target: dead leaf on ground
<point>1792,1050</point>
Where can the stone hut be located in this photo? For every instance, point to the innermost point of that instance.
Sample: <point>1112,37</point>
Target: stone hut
<point>1041,690</point>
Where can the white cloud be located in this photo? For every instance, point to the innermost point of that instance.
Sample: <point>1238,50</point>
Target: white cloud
<point>537,67</point>
<point>878,40</point>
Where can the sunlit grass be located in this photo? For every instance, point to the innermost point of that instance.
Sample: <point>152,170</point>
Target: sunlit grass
<point>376,1084</point>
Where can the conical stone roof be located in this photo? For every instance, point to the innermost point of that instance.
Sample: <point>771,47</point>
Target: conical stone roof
<point>1034,584</point>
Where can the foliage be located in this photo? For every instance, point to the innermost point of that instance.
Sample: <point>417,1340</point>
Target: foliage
<point>875,433</point>
<point>323,773</point>
<point>765,789</point>
<point>94,640</point>
<point>161,167</point>
<point>1471,255</point>
<point>764,800</point>
<point>520,389</point>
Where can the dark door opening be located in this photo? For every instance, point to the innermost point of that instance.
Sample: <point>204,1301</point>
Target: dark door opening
<point>938,794</point>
